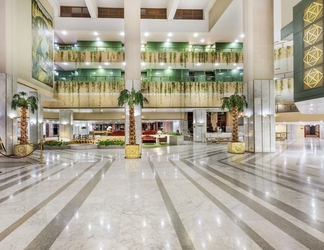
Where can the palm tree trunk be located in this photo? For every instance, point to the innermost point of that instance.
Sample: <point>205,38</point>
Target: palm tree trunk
<point>235,128</point>
<point>23,126</point>
<point>132,132</point>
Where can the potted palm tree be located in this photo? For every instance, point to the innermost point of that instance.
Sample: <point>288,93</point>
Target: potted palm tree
<point>24,102</point>
<point>235,104</point>
<point>132,98</point>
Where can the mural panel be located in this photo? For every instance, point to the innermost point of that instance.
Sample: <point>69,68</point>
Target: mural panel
<point>42,44</point>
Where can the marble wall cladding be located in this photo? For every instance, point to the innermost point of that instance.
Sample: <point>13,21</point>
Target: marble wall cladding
<point>199,123</point>
<point>8,124</point>
<point>34,125</point>
<point>184,129</point>
<point>66,124</point>
<point>259,126</point>
<point>321,131</point>
<point>291,130</point>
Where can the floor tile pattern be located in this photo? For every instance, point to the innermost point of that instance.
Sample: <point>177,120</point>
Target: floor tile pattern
<point>192,196</point>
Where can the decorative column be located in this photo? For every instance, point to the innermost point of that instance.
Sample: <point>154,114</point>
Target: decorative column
<point>36,120</point>
<point>132,45</point>
<point>259,122</point>
<point>291,130</point>
<point>8,117</point>
<point>199,124</point>
<point>8,75</point>
<point>66,124</point>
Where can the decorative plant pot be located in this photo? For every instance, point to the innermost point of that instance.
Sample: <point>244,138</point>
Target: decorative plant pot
<point>22,150</point>
<point>236,147</point>
<point>176,139</point>
<point>132,151</point>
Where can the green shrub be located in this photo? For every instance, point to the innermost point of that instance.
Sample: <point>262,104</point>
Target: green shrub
<point>56,143</point>
<point>173,133</point>
<point>111,142</point>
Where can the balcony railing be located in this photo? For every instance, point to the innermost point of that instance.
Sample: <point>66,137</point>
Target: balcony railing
<point>153,78</point>
<point>87,48</point>
<point>74,11</point>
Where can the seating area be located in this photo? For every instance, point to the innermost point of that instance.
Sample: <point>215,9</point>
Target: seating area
<point>217,137</point>
<point>163,139</point>
<point>118,133</point>
<point>148,139</point>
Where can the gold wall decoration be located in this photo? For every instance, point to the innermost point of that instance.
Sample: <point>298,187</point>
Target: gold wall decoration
<point>312,12</point>
<point>312,78</point>
<point>313,33</point>
<point>312,56</point>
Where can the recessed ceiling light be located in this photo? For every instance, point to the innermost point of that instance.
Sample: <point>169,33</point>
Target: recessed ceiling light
<point>98,38</point>
<point>168,40</point>
<point>161,63</point>
<point>65,63</point>
<point>64,32</point>
<point>87,63</point>
<point>242,35</point>
<point>95,33</point>
<point>170,34</point>
<point>143,63</point>
<point>124,63</point>
<point>106,63</point>
<point>146,34</point>
<point>100,67</point>
<point>122,33</point>
<point>195,35</point>
<point>202,40</point>
<point>236,41</point>
<point>216,64</point>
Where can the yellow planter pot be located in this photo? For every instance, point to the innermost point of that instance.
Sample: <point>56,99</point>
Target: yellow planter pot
<point>22,150</point>
<point>236,147</point>
<point>132,151</point>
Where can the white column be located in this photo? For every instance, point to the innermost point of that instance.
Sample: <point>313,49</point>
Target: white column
<point>259,127</point>
<point>66,124</point>
<point>8,117</point>
<point>199,124</point>
<point>291,130</point>
<point>36,120</point>
<point>132,44</point>
<point>322,131</point>
<point>8,75</point>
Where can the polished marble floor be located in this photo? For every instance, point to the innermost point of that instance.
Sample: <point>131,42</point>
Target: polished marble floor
<point>193,196</point>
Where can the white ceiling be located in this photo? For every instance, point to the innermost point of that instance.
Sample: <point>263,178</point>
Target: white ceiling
<point>229,27</point>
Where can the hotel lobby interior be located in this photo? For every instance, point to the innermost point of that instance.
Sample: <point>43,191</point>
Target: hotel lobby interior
<point>186,55</point>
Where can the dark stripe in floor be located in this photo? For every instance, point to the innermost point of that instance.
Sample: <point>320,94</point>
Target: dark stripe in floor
<point>184,238</point>
<point>295,232</point>
<point>46,238</point>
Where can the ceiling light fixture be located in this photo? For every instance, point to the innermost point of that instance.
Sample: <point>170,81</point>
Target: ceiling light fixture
<point>95,33</point>
<point>170,34</point>
<point>195,35</point>
<point>122,33</point>
<point>64,32</point>
<point>202,40</point>
<point>146,34</point>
